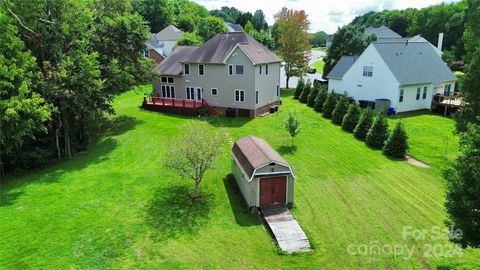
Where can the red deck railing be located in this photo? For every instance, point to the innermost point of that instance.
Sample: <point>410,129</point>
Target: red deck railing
<point>178,102</point>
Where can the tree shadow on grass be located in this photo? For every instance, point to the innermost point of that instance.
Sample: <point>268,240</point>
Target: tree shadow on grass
<point>239,208</point>
<point>173,214</point>
<point>120,125</point>
<point>287,149</point>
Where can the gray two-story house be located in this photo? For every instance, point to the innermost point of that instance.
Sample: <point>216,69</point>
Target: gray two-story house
<point>231,70</point>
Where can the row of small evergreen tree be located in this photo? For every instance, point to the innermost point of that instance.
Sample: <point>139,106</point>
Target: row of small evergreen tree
<point>362,123</point>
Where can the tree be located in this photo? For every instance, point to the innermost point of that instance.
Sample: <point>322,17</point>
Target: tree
<point>463,202</point>
<point>190,39</point>
<point>321,98</point>
<point>299,88</point>
<point>243,18</point>
<point>364,124</point>
<point>396,145</point>
<point>351,118</point>
<point>306,92</point>
<point>193,154</point>
<point>258,20</point>
<point>319,39</point>
<point>249,28</point>
<point>340,110</point>
<point>293,40</point>
<point>378,132</point>
<point>228,14</point>
<point>313,94</point>
<point>292,125</point>
<point>264,38</point>
<point>23,113</point>
<point>329,105</point>
<point>210,26</point>
<point>158,13</point>
<point>187,15</point>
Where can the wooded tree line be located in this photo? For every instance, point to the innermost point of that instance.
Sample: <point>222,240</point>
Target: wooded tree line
<point>61,64</point>
<point>427,22</point>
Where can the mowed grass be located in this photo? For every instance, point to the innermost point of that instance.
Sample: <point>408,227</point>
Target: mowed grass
<point>116,206</point>
<point>318,65</point>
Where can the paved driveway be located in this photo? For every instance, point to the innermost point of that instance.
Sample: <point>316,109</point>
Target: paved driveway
<point>316,55</point>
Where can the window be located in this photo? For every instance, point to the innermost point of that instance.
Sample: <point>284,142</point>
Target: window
<point>400,99</point>
<point>418,93</point>
<point>278,90</point>
<point>168,91</point>
<point>190,93</point>
<point>260,70</point>
<point>171,80</point>
<point>199,93</point>
<point>201,70</point>
<point>164,79</point>
<point>239,95</point>
<point>367,71</point>
<point>266,69</point>
<point>214,91</point>
<point>256,97</point>
<point>425,89</point>
<point>187,69</point>
<point>239,69</point>
<point>230,70</point>
<point>447,89</point>
<point>146,53</point>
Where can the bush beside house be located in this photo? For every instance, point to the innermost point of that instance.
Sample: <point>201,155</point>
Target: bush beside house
<point>313,94</point>
<point>299,89</point>
<point>329,105</point>
<point>306,91</point>
<point>378,133</point>
<point>340,110</point>
<point>364,124</point>
<point>351,118</point>
<point>396,145</point>
<point>320,99</point>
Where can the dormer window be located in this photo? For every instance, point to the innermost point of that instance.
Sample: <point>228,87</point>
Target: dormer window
<point>367,71</point>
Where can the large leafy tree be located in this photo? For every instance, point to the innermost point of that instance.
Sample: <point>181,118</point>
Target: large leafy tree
<point>210,26</point>
<point>319,39</point>
<point>293,40</point>
<point>158,13</point>
<point>23,113</point>
<point>259,21</point>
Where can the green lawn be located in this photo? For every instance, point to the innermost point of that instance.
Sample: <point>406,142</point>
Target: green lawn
<point>115,205</point>
<point>319,66</point>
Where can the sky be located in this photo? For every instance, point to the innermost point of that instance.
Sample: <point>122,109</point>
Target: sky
<point>324,15</point>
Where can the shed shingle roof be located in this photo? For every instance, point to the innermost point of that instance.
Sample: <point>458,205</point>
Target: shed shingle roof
<point>217,49</point>
<point>342,66</point>
<point>171,65</point>
<point>414,62</point>
<point>253,153</point>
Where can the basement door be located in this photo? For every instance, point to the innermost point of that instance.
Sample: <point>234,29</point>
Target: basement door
<point>273,190</point>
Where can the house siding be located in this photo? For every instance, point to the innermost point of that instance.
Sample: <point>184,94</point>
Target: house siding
<point>267,84</point>
<point>410,102</point>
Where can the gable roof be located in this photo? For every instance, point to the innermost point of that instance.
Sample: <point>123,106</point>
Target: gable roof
<point>231,27</point>
<point>253,153</point>
<point>217,49</point>
<point>414,62</point>
<point>169,33</point>
<point>342,66</point>
<point>171,65</point>
<point>381,32</point>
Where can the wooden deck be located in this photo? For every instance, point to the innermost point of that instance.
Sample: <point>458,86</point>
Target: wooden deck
<point>176,105</point>
<point>290,236</point>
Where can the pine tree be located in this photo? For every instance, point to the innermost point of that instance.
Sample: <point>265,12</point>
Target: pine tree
<point>378,132</point>
<point>363,125</point>
<point>341,109</point>
<point>320,99</point>
<point>351,118</point>
<point>306,91</point>
<point>313,94</point>
<point>299,89</point>
<point>329,105</point>
<point>396,145</point>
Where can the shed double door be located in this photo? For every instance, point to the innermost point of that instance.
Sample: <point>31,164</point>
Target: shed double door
<point>273,190</point>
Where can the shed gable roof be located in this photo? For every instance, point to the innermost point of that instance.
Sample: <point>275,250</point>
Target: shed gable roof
<point>252,153</point>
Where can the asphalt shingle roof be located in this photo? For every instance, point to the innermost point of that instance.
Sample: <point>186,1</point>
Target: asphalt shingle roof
<point>171,65</point>
<point>231,27</point>
<point>414,62</point>
<point>169,33</point>
<point>217,49</point>
<point>381,32</point>
<point>253,153</point>
<point>342,66</point>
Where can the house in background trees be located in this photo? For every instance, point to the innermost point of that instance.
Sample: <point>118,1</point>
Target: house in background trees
<point>407,72</point>
<point>231,27</point>
<point>162,43</point>
<point>232,73</point>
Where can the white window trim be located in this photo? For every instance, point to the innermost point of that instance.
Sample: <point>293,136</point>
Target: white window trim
<point>239,95</point>
<point>192,97</point>
<point>425,92</point>
<point>216,90</point>
<point>228,70</point>
<point>198,67</point>
<point>184,69</point>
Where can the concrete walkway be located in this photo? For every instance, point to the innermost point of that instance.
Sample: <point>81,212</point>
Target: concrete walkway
<point>290,236</point>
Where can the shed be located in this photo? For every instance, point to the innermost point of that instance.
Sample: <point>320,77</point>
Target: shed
<point>263,176</point>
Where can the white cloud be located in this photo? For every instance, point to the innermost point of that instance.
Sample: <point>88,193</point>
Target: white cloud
<point>323,15</point>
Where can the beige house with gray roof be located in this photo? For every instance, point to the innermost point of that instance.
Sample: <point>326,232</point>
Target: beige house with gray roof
<point>232,70</point>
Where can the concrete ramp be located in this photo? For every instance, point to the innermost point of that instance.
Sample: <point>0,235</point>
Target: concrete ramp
<point>285,228</point>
